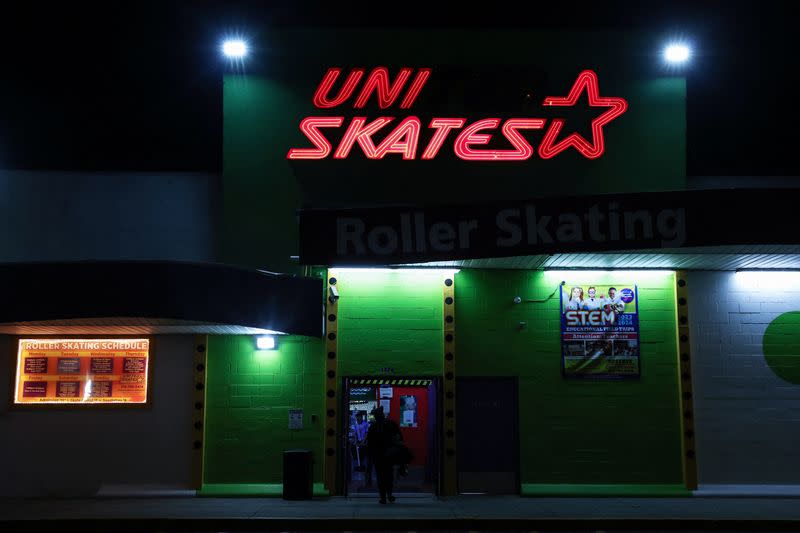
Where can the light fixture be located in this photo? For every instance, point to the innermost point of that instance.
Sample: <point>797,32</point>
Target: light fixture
<point>266,342</point>
<point>611,272</point>
<point>421,271</point>
<point>760,279</point>
<point>234,48</point>
<point>677,53</point>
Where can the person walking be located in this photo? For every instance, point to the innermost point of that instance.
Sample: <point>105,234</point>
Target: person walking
<point>382,435</point>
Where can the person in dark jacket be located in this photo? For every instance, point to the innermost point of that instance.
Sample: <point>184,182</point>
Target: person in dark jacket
<point>381,436</point>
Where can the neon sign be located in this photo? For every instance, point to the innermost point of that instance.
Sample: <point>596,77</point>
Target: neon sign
<point>468,140</point>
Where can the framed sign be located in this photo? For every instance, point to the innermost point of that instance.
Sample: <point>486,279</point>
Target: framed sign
<point>387,406</point>
<point>408,411</point>
<point>600,331</point>
<point>362,394</point>
<point>82,371</point>
<point>295,419</point>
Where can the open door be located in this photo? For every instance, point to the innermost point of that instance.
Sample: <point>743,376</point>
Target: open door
<point>413,403</point>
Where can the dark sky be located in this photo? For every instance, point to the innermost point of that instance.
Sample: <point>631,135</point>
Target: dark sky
<point>137,85</point>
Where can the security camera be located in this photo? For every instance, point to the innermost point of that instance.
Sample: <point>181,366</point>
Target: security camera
<point>333,294</point>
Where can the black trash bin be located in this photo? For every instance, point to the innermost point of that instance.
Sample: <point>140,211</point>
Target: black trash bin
<point>298,475</point>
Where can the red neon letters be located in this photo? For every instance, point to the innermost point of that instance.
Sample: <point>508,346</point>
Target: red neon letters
<point>404,137</point>
<point>522,151</point>
<point>310,126</point>
<point>617,106</point>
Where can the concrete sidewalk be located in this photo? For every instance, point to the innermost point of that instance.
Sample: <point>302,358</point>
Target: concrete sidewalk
<point>408,513</point>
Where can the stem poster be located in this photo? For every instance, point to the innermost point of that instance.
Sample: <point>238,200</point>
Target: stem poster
<point>600,331</point>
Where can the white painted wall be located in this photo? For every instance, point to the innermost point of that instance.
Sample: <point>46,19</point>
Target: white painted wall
<point>747,419</point>
<point>72,452</point>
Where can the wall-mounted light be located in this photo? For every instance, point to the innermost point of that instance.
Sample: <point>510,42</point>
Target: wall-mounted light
<point>421,271</point>
<point>677,53</point>
<point>333,294</point>
<point>755,279</point>
<point>234,48</point>
<point>266,342</point>
<point>592,275</point>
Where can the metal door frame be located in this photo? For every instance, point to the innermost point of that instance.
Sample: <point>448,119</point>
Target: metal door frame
<point>343,445</point>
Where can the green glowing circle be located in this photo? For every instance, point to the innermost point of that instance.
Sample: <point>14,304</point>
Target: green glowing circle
<point>782,346</point>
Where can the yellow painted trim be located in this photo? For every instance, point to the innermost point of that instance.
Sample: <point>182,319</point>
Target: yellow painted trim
<point>200,363</point>
<point>449,471</point>
<point>688,444</point>
<point>331,448</point>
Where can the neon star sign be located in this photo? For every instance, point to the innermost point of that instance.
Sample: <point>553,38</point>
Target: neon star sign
<point>587,80</point>
<point>469,140</point>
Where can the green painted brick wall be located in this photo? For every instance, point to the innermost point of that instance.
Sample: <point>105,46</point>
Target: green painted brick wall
<point>248,396</point>
<point>575,431</point>
<point>390,318</point>
<point>570,431</point>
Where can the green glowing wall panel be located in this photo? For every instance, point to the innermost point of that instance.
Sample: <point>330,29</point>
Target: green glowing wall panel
<point>575,431</point>
<point>248,396</point>
<point>782,346</point>
<point>390,322</point>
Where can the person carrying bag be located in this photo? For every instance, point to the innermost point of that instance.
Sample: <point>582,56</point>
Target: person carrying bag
<point>398,453</point>
<point>386,448</point>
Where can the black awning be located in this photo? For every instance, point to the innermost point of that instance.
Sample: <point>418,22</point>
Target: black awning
<point>626,222</point>
<point>194,292</point>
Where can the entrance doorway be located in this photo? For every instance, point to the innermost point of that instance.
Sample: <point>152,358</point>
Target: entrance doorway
<point>414,404</point>
<point>488,435</point>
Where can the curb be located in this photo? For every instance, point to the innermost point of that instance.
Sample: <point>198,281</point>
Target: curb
<point>402,524</point>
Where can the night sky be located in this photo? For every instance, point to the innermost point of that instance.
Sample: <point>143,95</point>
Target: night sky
<point>137,85</point>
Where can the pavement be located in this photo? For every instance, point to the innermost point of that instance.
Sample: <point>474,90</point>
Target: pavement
<point>462,513</point>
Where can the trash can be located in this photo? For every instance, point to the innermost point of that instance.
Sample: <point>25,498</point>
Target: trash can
<point>298,475</point>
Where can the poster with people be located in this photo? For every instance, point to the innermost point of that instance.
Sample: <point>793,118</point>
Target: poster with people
<point>600,331</point>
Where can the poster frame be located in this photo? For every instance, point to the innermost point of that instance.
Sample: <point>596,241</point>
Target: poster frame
<point>77,406</point>
<point>599,377</point>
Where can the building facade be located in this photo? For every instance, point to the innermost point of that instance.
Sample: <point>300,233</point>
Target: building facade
<point>496,241</point>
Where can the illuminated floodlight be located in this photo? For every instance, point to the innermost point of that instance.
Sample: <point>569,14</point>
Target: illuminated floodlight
<point>677,53</point>
<point>265,342</point>
<point>234,48</point>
